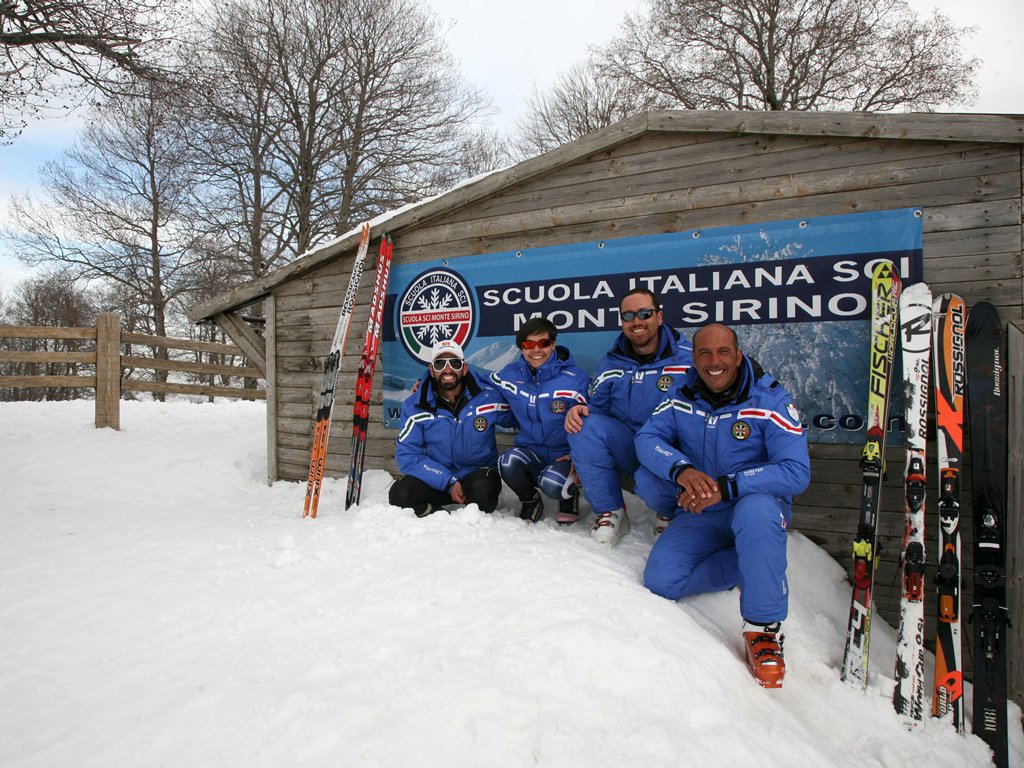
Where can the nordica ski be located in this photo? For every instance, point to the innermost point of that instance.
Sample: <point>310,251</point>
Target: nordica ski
<point>329,383</point>
<point>986,409</point>
<point>948,357</point>
<point>364,376</point>
<point>885,293</point>
<point>916,344</point>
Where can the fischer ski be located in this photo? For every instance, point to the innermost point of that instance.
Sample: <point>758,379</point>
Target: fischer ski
<point>364,376</point>
<point>329,383</point>
<point>986,408</point>
<point>915,341</point>
<point>885,293</point>
<point>950,375</point>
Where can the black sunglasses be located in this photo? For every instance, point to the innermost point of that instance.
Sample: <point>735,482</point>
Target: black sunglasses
<point>643,314</point>
<point>452,362</point>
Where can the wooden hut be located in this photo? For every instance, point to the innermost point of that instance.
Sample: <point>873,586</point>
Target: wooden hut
<point>670,172</point>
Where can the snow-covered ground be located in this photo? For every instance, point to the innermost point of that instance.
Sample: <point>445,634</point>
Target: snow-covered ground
<point>161,605</point>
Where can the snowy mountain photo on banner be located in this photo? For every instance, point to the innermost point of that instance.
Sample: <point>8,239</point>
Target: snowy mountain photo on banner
<point>160,604</point>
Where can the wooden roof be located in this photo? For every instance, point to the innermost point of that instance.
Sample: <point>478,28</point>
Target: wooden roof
<point>978,128</point>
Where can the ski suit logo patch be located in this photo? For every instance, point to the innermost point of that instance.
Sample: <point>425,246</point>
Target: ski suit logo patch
<point>664,383</point>
<point>741,430</point>
<point>558,406</point>
<point>480,423</point>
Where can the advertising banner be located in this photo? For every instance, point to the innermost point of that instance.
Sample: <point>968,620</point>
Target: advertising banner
<point>796,292</point>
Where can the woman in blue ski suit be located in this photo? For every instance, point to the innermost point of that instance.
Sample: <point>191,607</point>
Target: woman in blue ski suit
<point>540,387</point>
<point>445,449</point>
<point>725,463</point>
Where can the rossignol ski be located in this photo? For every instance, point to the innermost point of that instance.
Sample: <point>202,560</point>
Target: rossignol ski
<point>329,383</point>
<point>916,346</point>
<point>885,293</point>
<point>986,410</point>
<point>950,374</point>
<point>364,376</point>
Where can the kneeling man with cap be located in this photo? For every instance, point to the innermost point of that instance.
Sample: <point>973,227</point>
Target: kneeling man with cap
<point>446,447</point>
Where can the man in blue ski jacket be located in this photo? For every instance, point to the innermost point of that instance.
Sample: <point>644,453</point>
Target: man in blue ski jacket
<point>723,457</point>
<point>540,387</point>
<point>646,360</point>
<point>446,447</point>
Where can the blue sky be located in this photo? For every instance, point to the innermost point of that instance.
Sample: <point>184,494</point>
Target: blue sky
<point>545,38</point>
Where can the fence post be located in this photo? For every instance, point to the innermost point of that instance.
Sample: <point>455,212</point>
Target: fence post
<point>108,370</point>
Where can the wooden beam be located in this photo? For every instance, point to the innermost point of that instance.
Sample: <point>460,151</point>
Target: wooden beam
<point>135,385</point>
<point>927,126</point>
<point>250,342</point>
<point>45,332</point>
<point>108,370</point>
<point>270,309</point>
<point>45,382</point>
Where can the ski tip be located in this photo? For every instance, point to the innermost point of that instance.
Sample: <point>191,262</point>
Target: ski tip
<point>918,292</point>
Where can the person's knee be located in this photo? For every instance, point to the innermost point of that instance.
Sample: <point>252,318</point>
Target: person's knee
<point>663,578</point>
<point>655,492</point>
<point>759,511</point>
<point>399,494</point>
<point>483,488</point>
<point>555,481</point>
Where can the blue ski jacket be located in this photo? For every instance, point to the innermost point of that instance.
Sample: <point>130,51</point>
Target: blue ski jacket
<point>752,444</point>
<point>539,400</point>
<point>440,447</point>
<point>630,390</point>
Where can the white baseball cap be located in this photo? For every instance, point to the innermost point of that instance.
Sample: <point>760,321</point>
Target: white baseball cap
<point>446,347</point>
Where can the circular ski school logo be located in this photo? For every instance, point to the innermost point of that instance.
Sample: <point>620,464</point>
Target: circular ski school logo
<point>436,306</point>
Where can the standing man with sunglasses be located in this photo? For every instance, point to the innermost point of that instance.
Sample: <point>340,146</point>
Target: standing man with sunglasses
<point>540,387</point>
<point>446,447</point>
<point>647,359</point>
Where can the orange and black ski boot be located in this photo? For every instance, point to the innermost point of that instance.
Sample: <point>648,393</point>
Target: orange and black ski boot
<point>764,653</point>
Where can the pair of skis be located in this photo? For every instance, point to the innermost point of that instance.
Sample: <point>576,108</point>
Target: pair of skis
<point>364,377</point>
<point>885,294</point>
<point>969,358</point>
<point>969,354</point>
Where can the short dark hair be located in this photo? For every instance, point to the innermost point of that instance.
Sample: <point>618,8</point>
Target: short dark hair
<point>645,292</point>
<point>536,325</point>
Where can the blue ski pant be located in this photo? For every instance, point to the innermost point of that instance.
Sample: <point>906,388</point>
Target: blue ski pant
<point>600,452</point>
<point>523,471</point>
<point>736,543</point>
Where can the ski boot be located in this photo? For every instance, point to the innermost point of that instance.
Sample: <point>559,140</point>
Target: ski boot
<point>532,509</point>
<point>569,509</point>
<point>610,526</point>
<point>764,653</point>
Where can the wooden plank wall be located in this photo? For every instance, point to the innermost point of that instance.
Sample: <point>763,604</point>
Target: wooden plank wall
<point>666,182</point>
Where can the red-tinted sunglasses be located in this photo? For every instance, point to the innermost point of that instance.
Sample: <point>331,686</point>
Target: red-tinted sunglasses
<point>542,343</point>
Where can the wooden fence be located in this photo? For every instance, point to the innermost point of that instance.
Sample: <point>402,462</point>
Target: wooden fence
<point>109,363</point>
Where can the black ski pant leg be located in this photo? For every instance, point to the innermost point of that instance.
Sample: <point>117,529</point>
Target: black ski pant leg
<point>412,493</point>
<point>482,487</point>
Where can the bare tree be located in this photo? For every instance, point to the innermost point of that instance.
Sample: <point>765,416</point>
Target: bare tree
<point>870,55</point>
<point>317,114</point>
<point>118,205</point>
<point>581,102</point>
<point>859,55</point>
<point>52,300</point>
<point>50,49</point>
<point>479,151</point>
